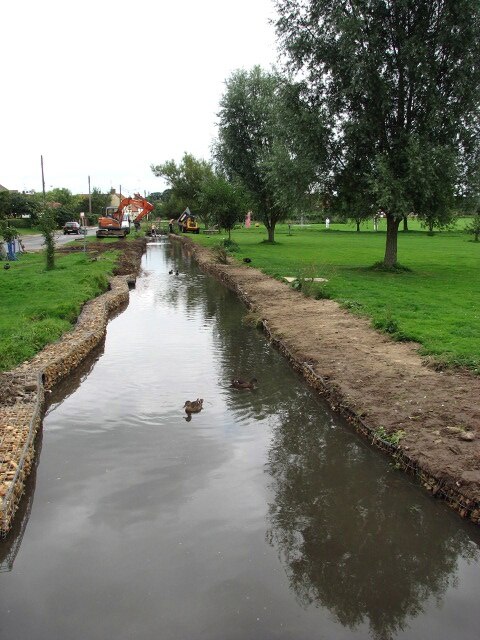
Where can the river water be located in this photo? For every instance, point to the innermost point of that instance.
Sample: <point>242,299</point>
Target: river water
<point>264,517</point>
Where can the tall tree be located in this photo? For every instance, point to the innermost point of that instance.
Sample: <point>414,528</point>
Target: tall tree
<point>400,82</point>
<point>262,120</point>
<point>225,201</point>
<point>184,180</point>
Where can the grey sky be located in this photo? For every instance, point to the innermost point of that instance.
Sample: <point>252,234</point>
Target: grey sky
<point>106,88</point>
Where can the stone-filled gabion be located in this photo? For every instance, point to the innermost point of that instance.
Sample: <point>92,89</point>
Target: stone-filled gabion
<point>21,413</point>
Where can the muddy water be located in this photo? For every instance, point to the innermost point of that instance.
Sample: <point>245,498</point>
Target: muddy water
<point>264,517</point>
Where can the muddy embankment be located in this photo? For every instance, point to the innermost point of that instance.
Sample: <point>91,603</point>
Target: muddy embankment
<point>384,388</point>
<point>22,390</point>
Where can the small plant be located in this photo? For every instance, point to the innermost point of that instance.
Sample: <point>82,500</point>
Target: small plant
<point>351,305</point>
<point>474,227</point>
<point>220,254</point>
<point>297,285</point>
<point>387,325</point>
<point>252,319</point>
<point>47,225</point>
<point>322,294</point>
<point>230,245</point>
<point>7,232</point>
<point>392,438</point>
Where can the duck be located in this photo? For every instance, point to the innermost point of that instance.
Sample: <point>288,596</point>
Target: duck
<point>239,383</point>
<point>170,272</point>
<point>193,406</point>
<point>176,272</point>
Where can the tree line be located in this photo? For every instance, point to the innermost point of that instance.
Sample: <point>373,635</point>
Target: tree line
<point>64,206</point>
<point>376,110</point>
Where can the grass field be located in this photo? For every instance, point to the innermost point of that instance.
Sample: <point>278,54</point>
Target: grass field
<point>436,303</point>
<point>38,305</point>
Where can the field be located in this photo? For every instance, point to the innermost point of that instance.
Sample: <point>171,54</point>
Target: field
<point>38,305</point>
<point>435,303</point>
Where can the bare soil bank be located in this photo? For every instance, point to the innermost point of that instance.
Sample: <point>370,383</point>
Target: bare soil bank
<point>383,387</point>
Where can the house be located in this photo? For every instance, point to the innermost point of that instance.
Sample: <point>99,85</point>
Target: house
<point>115,198</point>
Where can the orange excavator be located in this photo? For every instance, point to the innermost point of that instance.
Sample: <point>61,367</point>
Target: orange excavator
<point>116,221</point>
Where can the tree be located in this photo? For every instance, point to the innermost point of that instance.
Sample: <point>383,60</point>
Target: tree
<point>225,201</point>
<point>474,227</point>
<point>185,181</point>
<point>63,204</point>
<point>261,121</point>
<point>16,205</point>
<point>47,223</point>
<point>100,201</point>
<point>399,81</point>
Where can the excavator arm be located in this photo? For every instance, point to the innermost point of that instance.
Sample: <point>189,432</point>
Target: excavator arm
<point>113,222</point>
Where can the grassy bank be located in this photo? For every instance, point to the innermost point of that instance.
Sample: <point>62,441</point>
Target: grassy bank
<point>38,306</point>
<point>435,303</point>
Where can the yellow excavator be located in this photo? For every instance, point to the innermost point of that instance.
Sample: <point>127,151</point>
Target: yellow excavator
<point>187,223</point>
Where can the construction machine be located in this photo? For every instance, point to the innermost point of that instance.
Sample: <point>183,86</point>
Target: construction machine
<point>116,221</point>
<point>187,223</point>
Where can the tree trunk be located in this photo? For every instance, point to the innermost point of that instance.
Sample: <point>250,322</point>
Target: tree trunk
<point>271,233</point>
<point>405,223</point>
<point>390,259</point>
<point>358,225</point>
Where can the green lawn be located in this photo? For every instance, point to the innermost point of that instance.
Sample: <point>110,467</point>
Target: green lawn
<point>436,303</point>
<point>38,305</point>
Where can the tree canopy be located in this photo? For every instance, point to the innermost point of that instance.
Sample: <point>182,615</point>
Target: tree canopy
<point>399,82</point>
<point>261,121</point>
<point>184,180</point>
<point>226,201</point>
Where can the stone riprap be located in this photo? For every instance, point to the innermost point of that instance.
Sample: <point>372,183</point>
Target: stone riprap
<point>22,399</point>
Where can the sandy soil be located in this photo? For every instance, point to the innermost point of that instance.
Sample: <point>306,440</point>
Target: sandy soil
<point>386,384</point>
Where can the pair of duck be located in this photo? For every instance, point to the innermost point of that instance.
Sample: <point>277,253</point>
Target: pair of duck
<point>195,406</point>
<point>171,272</point>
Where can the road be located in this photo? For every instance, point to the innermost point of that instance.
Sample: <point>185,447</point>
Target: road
<point>35,242</point>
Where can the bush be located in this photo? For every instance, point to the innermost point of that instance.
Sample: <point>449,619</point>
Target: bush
<point>20,223</point>
<point>230,245</point>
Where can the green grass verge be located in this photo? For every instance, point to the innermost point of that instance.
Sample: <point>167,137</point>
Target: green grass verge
<point>433,302</point>
<point>38,306</point>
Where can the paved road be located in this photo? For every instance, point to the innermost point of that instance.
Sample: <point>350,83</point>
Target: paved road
<point>35,242</point>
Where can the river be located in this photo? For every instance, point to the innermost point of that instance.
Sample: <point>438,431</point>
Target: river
<point>264,517</point>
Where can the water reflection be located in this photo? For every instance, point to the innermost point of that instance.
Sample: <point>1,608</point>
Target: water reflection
<point>10,546</point>
<point>136,504</point>
<point>351,540</point>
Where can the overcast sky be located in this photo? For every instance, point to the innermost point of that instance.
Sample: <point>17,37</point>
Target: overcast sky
<point>106,88</point>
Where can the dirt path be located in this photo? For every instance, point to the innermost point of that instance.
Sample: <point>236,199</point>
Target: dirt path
<point>378,383</point>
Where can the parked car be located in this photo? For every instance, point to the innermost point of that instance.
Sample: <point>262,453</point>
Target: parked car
<point>71,227</point>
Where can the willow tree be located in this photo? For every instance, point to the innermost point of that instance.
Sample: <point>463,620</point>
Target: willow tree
<point>262,121</point>
<point>399,80</point>
<point>185,184</point>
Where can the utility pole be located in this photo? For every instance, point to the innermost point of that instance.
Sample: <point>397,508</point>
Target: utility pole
<point>89,202</point>
<point>43,182</point>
